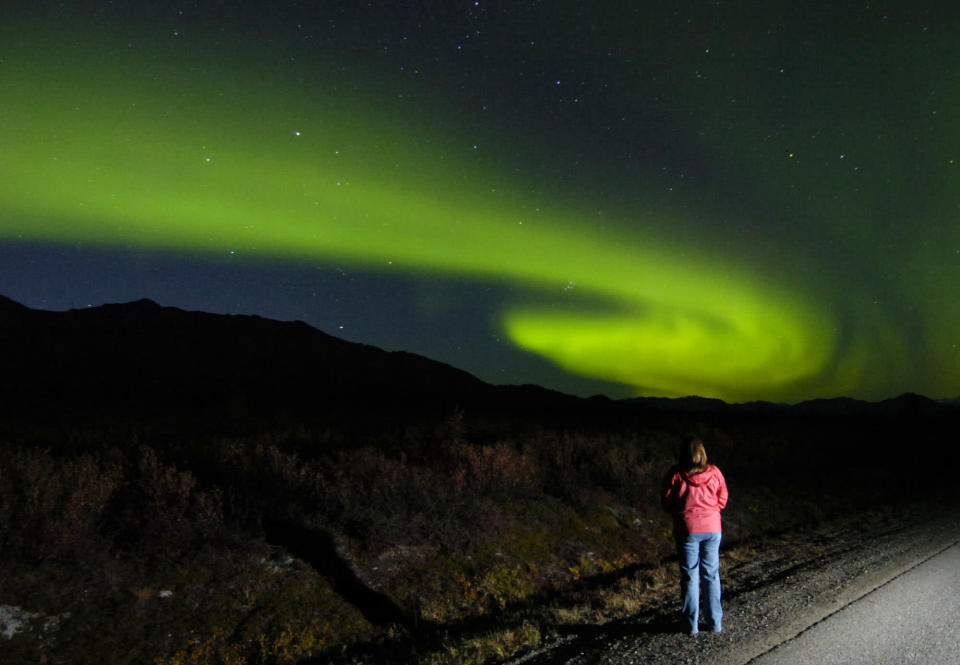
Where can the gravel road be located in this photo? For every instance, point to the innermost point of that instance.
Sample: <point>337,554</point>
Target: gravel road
<point>911,619</point>
<point>774,593</point>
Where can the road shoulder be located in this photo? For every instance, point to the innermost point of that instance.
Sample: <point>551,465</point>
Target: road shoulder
<point>774,590</point>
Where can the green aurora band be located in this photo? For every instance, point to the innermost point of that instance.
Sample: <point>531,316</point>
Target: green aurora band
<point>132,154</point>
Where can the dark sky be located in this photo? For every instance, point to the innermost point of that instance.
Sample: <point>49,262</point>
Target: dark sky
<point>737,200</point>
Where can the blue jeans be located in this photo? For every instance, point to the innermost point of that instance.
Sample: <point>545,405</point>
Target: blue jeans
<point>700,559</point>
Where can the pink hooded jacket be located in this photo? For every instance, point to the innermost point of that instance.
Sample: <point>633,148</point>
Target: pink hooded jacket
<point>695,500</point>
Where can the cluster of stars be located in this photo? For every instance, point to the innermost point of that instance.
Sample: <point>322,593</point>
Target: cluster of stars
<point>669,126</point>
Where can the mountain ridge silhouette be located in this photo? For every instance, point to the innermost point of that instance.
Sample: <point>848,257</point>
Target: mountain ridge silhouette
<point>144,359</point>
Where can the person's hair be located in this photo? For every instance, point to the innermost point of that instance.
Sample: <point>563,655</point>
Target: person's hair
<point>692,456</point>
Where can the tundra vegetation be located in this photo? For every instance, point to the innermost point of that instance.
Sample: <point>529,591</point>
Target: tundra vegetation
<point>465,538</point>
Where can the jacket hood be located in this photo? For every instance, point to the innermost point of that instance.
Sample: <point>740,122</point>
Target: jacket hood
<point>697,479</point>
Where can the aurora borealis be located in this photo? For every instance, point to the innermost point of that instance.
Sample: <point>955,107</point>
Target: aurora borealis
<point>663,200</point>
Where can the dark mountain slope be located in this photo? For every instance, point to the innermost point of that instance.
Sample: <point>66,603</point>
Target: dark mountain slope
<point>141,361</point>
<point>145,360</point>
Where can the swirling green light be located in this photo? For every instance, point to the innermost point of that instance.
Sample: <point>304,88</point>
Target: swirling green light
<point>105,154</point>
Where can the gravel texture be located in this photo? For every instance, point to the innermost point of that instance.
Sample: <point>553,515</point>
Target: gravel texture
<point>772,591</point>
<point>911,620</point>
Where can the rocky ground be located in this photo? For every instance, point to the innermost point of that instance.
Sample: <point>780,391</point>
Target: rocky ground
<point>772,591</point>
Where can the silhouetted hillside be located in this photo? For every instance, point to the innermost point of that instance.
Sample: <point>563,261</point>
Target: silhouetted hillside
<point>908,404</point>
<point>141,359</point>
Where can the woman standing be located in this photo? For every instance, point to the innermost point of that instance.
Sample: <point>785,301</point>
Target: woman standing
<point>695,493</point>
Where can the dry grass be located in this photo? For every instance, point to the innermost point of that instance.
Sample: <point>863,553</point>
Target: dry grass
<point>492,543</point>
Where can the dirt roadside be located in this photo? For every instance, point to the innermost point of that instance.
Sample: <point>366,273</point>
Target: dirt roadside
<point>772,591</point>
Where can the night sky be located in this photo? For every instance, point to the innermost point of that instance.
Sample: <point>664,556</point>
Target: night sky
<point>735,200</point>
